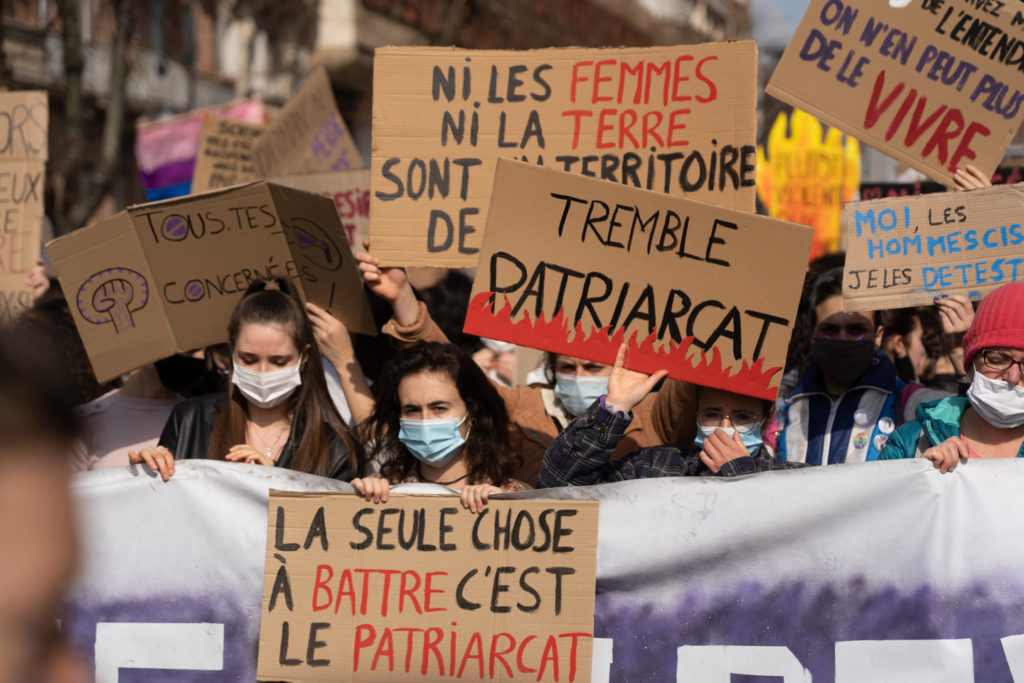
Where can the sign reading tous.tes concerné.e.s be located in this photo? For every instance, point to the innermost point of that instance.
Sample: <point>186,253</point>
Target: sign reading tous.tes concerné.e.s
<point>422,589</point>
<point>164,277</point>
<point>225,154</point>
<point>679,120</point>
<point>309,135</point>
<point>24,119</point>
<point>350,192</point>
<point>579,266</point>
<point>935,83</point>
<point>905,251</point>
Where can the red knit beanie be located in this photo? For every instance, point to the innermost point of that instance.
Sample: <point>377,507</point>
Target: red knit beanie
<point>998,322</point>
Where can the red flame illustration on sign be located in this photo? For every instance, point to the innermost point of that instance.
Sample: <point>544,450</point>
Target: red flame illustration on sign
<point>601,345</point>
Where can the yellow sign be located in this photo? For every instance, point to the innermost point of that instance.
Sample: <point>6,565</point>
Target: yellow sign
<point>806,177</point>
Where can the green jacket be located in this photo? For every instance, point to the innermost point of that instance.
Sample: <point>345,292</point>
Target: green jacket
<point>936,421</point>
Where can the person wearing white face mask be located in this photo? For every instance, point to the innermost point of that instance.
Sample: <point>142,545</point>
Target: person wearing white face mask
<point>538,414</point>
<point>989,421</point>
<point>728,441</point>
<point>439,420</point>
<point>277,411</point>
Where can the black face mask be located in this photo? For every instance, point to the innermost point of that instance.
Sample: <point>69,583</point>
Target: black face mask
<point>905,369</point>
<point>843,360</point>
<point>178,373</point>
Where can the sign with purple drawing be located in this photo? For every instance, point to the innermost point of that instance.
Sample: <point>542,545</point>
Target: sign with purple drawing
<point>164,277</point>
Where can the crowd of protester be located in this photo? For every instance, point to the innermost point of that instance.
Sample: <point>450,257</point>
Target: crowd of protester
<point>292,388</point>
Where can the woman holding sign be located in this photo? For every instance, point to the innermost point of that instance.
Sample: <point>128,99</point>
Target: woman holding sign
<point>989,421</point>
<point>538,414</point>
<point>439,420</point>
<point>728,439</point>
<point>277,411</point>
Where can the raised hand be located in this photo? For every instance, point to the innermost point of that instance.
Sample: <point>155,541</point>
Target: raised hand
<point>626,388</point>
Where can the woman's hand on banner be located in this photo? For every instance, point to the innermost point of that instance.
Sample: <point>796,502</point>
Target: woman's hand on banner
<point>948,454</point>
<point>156,458</point>
<point>720,448</point>
<point>970,178</point>
<point>372,488</point>
<point>626,388</point>
<point>244,453</point>
<point>474,497</point>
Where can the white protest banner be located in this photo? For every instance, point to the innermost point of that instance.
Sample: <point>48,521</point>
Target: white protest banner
<point>825,574</point>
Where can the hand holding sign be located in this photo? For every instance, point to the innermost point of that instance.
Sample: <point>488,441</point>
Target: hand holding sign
<point>157,458</point>
<point>970,178</point>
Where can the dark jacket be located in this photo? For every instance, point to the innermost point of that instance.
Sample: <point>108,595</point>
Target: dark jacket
<point>188,429</point>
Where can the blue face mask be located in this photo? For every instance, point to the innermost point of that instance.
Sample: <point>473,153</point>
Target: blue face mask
<point>579,393</point>
<point>433,442</point>
<point>752,439</point>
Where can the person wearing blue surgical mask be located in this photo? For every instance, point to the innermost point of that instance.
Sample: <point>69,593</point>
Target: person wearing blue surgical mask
<point>439,420</point>
<point>728,443</point>
<point>539,413</point>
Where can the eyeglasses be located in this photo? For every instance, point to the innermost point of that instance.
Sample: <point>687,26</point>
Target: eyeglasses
<point>1000,360</point>
<point>742,421</point>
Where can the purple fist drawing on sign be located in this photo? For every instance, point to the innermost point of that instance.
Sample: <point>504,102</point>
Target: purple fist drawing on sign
<point>111,296</point>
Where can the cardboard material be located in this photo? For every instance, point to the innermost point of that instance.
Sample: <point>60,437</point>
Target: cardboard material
<point>679,120</point>
<point>806,176</point>
<point>350,192</point>
<point>225,154</point>
<point>24,120</point>
<point>421,589</point>
<point>164,277</point>
<point>309,135</point>
<point>581,265</point>
<point>905,251</point>
<point>932,83</point>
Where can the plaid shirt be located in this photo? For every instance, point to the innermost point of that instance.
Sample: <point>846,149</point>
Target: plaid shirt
<point>580,456</point>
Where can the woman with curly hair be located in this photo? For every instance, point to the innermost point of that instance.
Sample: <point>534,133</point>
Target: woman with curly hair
<point>439,420</point>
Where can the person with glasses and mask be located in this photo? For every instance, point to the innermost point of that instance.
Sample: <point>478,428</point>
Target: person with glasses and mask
<point>277,410</point>
<point>849,399</point>
<point>538,414</point>
<point>439,420</point>
<point>989,421</point>
<point>728,442</point>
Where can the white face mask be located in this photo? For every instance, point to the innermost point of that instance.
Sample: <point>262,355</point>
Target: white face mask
<point>267,389</point>
<point>1000,404</point>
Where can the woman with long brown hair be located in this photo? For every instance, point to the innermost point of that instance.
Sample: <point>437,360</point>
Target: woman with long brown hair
<point>277,411</point>
<point>439,420</point>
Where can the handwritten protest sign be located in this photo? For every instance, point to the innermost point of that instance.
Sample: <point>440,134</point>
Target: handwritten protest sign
<point>24,117</point>
<point>678,120</point>
<point>309,135</point>
<point>225,154</point>
<point>420,587</point>
<point>934,83</point>
<point>578,266</point>
<point>164,277</point>
<point>807,175</point>
<point>906,250</point>
<point>350,192</point>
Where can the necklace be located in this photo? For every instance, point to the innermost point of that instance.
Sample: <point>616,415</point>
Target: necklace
<point>419,472</point>
<point>269,449</point>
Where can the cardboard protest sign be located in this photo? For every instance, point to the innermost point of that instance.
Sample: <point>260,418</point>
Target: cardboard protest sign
<point>905,251</point>
<point>350,192</point>
<point>309,135</point>
<point>678,120</point>
<point>24,120</point>
<point>578,266</point>
<point>805,176</point>
<point>420,587</point>
<point>164,277</point>
<point>225,154</point>
<point>933,83</point>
